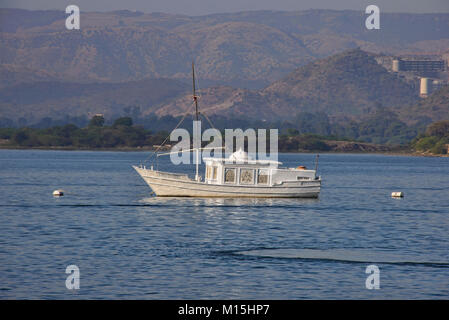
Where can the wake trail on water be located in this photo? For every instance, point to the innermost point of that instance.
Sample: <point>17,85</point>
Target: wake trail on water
<point>349,255</point>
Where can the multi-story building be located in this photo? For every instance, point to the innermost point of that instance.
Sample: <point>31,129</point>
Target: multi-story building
<point>424,68</point>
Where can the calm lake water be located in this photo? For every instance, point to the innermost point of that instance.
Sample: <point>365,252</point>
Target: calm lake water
<point>129,245</point>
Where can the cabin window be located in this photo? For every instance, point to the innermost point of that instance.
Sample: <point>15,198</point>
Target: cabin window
<point>262,177</point>
<point>229,175</point>
<point>246,176</point>
<point>208,172</point>
<point>214,173</point>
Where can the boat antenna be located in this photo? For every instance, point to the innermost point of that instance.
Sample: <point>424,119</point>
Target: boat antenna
<point>316,163</point>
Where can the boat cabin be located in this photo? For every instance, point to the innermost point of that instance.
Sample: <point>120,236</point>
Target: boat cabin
<point>240,169</point>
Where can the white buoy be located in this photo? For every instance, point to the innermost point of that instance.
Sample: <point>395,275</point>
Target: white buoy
<point>58,193</point>
<point>397,194</point>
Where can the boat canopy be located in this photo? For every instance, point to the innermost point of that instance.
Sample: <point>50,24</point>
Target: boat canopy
<point>241,156</point>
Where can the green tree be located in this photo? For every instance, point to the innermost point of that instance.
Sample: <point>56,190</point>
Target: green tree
<point>438,129</point>
<point>21,136</point>
<point>311,143</point>
<point>426,143</point>
<point>123,121</point>
<point>96,121</point>
<point>317,123</point>
<point>440,147</point>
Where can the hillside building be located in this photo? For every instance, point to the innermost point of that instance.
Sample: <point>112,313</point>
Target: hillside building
<point>427,86</point>
<point>429,71</point>
<point>429,68</point>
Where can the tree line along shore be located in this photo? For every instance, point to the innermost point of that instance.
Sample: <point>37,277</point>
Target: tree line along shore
<point>123,134</point>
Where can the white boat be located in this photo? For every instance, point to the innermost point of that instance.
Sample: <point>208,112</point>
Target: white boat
<point>238,176</point>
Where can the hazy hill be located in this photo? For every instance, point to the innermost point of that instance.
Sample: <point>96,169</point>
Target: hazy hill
<point>246,49</point>
<point>350,83</point>
<point>431,109</point>
<point>13,74</point>
<point>57,100</point>
<point>347,85</point>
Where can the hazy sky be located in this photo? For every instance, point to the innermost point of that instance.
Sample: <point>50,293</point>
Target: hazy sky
<point>200,7</point>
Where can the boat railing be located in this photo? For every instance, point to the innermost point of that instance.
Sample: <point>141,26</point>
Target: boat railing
<point>171,175</point>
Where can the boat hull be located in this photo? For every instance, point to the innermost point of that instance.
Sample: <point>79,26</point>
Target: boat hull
<point>166,184</point>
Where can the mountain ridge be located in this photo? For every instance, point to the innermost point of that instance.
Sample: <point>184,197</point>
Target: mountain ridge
<point>350,84</point>
<point>249,48</point>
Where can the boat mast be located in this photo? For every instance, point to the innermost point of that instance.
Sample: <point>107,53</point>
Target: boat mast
<point>195,99</point>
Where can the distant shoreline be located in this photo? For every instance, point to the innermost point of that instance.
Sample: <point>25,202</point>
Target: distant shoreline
<point>148,149</point>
